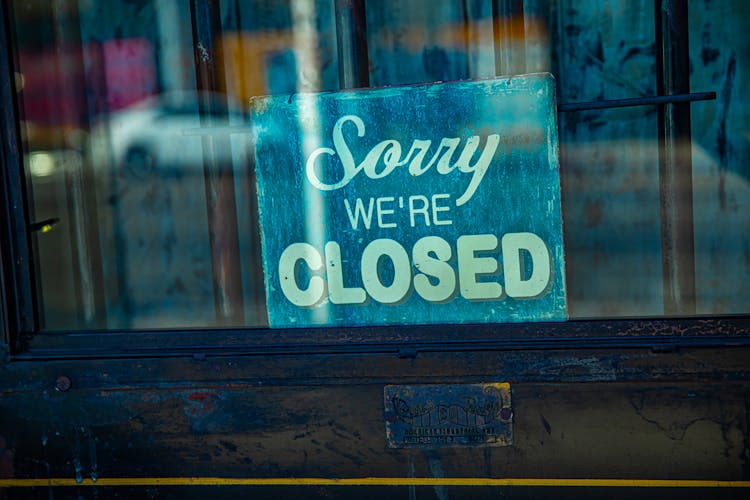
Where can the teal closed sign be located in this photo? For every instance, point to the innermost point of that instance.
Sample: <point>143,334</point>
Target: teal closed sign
<point>436,203</point>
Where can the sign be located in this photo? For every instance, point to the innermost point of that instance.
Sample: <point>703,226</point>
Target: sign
<point>433,416</point>
<point>421,204</point>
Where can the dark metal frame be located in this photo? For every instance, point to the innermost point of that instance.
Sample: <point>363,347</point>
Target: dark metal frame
<point>18,310</point>
<point>675,161</point>
<point>351,42</point>
<point>637,101</point>
<point>218,177</point>
<point>404,342</point>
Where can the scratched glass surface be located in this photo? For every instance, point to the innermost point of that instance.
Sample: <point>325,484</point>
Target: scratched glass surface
<point>136,124</point>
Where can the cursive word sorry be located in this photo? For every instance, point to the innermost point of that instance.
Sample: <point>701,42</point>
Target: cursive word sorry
<point>389,151</point>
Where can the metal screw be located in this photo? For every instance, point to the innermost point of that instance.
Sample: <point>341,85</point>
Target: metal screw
<point>506,414</point>
<point>63,383</point>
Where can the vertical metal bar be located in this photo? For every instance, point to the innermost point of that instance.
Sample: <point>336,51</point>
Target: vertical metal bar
<point>241,72</point>
<point>219,179</point>
<point>675,161</point>
<point>255,305</point>
<point>18,310</point>
<point>80,185</point>
<point>508,28</point>
<point>351,40</point>
<point>465,28</point>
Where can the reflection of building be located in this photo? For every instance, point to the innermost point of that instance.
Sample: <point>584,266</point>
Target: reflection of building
<point>79,63</point>
<point>259,63</point>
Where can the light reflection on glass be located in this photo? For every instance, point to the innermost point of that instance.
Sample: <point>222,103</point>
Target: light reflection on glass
<point>309,80</point>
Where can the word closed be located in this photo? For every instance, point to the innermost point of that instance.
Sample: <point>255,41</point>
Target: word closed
<point>435,279</point>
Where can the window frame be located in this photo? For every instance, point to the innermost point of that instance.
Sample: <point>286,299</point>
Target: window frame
<point>19,309</point>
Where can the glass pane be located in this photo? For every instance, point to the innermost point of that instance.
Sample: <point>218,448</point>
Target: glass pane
<point>719,55</point>
<point>139,142</point>
<point>605,50</point>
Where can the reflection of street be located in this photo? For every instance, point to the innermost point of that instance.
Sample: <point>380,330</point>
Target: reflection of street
<point>162,259</point>
<point>115,150</point>
<point>613,230</point>
<point>161,134</point>
<point>157,152</point>
<point>145,182</point>
<point>52,169</point>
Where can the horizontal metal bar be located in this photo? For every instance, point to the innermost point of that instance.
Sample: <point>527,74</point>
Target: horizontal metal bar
<point>216,130</point>
<point>401,350</point>
<point>43,225</point>
<point>636,101</point>
<point>659,334</point>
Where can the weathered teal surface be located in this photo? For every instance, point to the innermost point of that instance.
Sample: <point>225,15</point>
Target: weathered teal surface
<point>356,167</point>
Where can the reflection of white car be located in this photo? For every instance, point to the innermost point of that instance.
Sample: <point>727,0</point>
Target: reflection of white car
<point>166,133</point>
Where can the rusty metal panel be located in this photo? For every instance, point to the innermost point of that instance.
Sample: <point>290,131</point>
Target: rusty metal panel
<point>433,416</point>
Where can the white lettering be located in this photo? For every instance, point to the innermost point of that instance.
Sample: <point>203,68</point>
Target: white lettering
<point>443,165</point>
<point>397,290</point>
<point>385,211</point>
<point>480,167</point>
<point>514,246</point>
<point>337,292</point>
<point>436,279</point>
<point>345,155</point>
<point>437,267</point>
<point>359,211</point>
<point>415,167</point>
<point>418,210</point>
<point>470,266</point>
<point>390,152</point>
<point>287,274</point>
<point>437,208</point>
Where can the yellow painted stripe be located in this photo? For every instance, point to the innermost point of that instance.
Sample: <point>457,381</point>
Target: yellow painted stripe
<point>373,481</point>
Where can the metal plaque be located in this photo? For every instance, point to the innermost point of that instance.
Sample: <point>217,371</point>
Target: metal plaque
<point>420,204</point>
<point>431,416</point>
